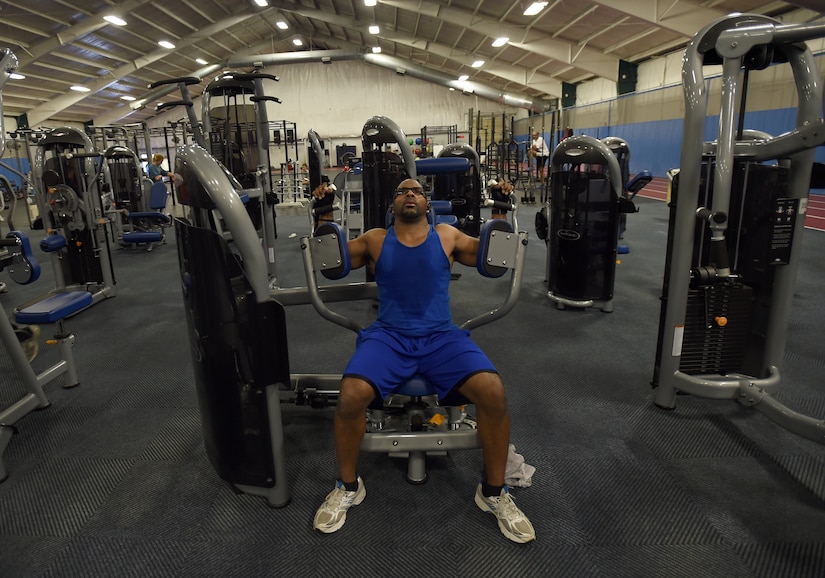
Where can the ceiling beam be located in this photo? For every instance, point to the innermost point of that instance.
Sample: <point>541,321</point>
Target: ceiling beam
<point>680,17</point>
<point>75,32</point>
<point>588,59</point>
<point>48,110</point>
<point>518,75</point>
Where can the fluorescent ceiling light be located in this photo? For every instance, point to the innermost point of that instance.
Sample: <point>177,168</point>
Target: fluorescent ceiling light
<point>81,88</point>
<point>166,44</point>
<point>374,29</point>
<point>376,49</point>
<point>535,8</point>
<point>478,64</point>
<point>282,25</point>
<point>370,2</point>
<point>500,41</point>
<point>201,61</point>
<point>127,98</point>
<point>117,21</point>
<point>297,42</point>
<point>262,3</point>
<point>463,77</point>
<point>16,76</point>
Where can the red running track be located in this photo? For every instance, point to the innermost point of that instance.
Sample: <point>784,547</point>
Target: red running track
<point>814,218</point>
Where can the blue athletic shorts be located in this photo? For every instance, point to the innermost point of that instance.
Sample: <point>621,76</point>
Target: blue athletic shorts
<point>385,359</point>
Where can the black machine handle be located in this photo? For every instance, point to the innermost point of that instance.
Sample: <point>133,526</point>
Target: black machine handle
<point>187,80</point>
<point>183,83</point>
<point>245,76</point>
<point>265,98</point>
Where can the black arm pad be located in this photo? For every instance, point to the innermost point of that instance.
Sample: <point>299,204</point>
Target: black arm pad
<point>485,263</point>
<point>336,263</point>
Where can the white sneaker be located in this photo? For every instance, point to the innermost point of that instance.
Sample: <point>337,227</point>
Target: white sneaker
<point>511,521</point>
<point>28,336</point>
<point>333,512</point>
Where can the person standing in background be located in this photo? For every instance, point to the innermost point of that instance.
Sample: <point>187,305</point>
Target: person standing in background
<point>542,154</point>
<point>156,172</point>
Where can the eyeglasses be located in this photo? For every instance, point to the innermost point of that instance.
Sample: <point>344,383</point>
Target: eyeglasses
<point>403,191</point>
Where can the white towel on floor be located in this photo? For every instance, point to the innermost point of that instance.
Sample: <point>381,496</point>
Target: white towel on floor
<point>517,473</point>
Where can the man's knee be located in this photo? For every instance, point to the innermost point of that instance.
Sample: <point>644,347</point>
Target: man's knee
<point>486,390</point>
<point>354,397</point>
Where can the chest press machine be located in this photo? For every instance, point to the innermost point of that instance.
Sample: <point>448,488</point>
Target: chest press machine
<point>238,334</point>
<point>412,422</point>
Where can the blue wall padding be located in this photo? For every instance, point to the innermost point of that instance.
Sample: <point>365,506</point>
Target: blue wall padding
<point>657,145</point>
<point>13,178</point>
<point>441,166</point>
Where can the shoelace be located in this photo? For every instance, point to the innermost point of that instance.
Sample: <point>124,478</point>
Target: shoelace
<point>339,497</point>
<point>506,508</point>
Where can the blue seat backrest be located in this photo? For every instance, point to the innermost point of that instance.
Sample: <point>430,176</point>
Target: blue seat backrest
<point>157,196</point>
<point>639,181</point>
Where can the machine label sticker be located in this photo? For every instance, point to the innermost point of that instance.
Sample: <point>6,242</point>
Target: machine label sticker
<point>678,336</point>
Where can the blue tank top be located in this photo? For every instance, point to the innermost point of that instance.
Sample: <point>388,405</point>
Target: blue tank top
<point>413,286</point>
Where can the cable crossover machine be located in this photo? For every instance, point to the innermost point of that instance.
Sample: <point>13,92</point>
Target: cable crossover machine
<point>736,221</point>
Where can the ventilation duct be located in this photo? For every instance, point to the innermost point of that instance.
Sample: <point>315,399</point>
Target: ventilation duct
<point>385,61</point>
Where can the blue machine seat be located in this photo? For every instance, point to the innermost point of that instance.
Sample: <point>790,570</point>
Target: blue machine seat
<point>416,386</point>
<point>151,215</point>
<point>55,308</point>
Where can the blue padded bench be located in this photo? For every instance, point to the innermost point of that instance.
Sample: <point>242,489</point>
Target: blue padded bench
<point>140,237</point>
<point>54,308</point>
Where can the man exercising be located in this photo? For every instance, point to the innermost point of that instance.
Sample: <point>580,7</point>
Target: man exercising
<point>414,333</point>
